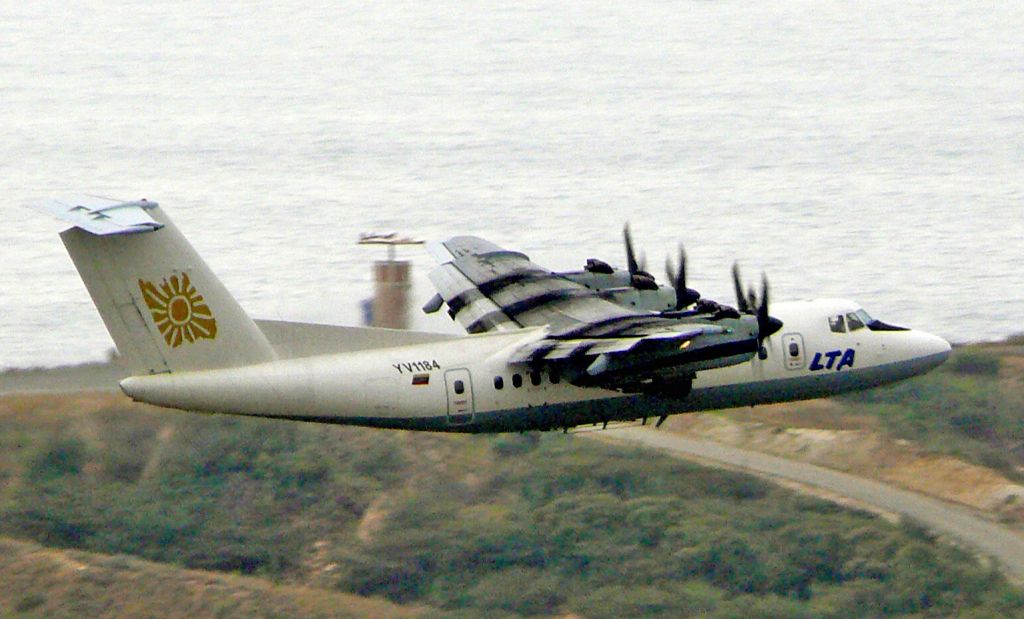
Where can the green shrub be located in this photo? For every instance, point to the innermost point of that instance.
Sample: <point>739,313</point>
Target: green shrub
<point>382,459</point>
<point>762,607</point>
<point>734,564</point>
<point>369,574</point>
<point>29,602</point>
<point>617,601</point>
<point>974,363</point>
<point>526,591</point>
<point>511,445</point>
<point>646,518</point>
<point>63,455</point>
<point>858,598</point>
<point>128,440</point>
<point>915,529</point>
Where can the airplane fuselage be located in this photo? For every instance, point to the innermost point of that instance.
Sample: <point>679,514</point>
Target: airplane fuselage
<point>468,385</point>
<point>550,351</point>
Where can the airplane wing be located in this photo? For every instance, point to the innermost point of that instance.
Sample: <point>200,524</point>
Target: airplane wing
<point>490,288</point>
<point>591,339</point>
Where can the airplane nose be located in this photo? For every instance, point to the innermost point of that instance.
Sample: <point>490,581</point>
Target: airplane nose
<point>933,348</point>
<point>910,353</point>
<point>941,346</point>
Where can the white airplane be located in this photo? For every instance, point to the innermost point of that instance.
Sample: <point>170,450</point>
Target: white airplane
<point>546,350</point>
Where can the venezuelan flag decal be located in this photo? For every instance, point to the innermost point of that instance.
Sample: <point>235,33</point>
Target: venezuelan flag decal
<point>178,310</point>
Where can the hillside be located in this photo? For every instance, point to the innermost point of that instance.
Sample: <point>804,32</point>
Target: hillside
<point>36,581</point>
<point>512,525</point>
<point>956,433</point>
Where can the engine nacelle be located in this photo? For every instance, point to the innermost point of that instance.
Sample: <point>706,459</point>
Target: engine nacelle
<point>634,291</point>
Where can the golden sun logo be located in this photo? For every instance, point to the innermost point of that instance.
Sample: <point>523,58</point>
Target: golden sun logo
<point>179,310</point>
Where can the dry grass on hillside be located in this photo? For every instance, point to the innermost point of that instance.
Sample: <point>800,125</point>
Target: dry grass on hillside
<point>36,581</point>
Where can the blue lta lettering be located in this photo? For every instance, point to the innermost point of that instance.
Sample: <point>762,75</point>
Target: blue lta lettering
<point>845,359</point>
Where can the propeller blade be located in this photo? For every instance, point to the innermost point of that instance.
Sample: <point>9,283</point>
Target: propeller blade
<point>762,309</point>
<point>684,296</point>
<point>639,278</point>
<point>631,263</point>
<point>741,299</point>
<point>767,325</point>
<point>681,282</point>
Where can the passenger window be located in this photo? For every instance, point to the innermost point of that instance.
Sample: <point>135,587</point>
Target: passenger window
<point>837,324</point>
<point>853,322</point>
<point>459,387</point>
<point>794,349</point>
<point>535,378</point>
<point>499,383</point>
<point>517,381</point>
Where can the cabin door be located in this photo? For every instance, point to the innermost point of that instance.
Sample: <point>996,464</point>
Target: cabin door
<point>460,396</point>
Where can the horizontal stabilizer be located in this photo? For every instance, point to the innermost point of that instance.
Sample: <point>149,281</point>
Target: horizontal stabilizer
<point>101,216</point>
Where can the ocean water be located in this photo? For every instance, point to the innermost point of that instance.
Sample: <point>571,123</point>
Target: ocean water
<point>873,151</point>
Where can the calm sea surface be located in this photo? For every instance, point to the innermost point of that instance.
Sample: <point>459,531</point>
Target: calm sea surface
<point>866,150</point>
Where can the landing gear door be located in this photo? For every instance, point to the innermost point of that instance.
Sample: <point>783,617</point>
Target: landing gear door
<point>460,397</point>
<point>793,349</point>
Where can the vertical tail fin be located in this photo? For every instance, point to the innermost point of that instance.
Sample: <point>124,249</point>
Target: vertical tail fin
<point>163,307</point>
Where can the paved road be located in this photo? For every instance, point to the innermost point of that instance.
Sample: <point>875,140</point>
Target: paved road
<point>986,536</point>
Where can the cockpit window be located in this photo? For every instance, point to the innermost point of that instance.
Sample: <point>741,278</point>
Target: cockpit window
<point>837,324</point>
<point>854,322</point>
<point>873,324</point>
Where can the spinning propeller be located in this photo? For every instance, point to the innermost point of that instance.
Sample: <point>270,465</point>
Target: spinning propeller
<point>748,303</point>
<point>639,278</point>
<point>684,296</point>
